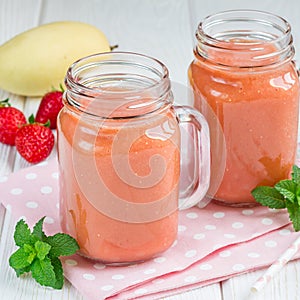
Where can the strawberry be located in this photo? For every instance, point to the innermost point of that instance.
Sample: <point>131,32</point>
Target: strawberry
<point>49,108</point>
<point>34,141</point>
<point>11,119</point>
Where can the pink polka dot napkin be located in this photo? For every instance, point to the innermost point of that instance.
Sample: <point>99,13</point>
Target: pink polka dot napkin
<point>213,243</point>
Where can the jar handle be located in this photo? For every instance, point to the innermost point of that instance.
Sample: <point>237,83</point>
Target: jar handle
<point>188,116</point>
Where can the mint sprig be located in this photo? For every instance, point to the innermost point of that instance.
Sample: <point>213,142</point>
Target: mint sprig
<point>284,194</point>
<point>39,254</point>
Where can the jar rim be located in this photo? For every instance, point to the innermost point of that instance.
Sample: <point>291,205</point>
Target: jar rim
<point>109,57</point>
<point>263,36</point>
<point>228,13</point>
<point>118,84</point>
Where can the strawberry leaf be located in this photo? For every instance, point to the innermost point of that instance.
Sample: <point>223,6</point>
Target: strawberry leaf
<point>31,119</point>
<point>61,88</point>
<point>47,124</point>
<point>5,103</point>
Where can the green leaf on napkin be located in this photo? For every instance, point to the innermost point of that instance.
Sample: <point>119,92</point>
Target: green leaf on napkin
<point>22,234</point>
<point>39,254</point>
<point>285,194</point>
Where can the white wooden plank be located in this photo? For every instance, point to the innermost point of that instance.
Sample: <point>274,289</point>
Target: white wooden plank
<point>17,16</point>
<point>160,29</point>
<point>212,292</point>
<point>285,285</point>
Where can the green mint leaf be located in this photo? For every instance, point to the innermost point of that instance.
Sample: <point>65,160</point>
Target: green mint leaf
<point>38,230</point>
<point>42,249</point>
<point>30,252</point>
<point>298,195</point>
<point>39,253</point>
<point>287,188</point>
<point>43,272</point>
<point>19,259</point>
<point>296,174</point>
<point>62,245</point>
<point>19,272</point>
<point>28,248</point>
<point>22,234</point>
<point>58,270</point>
<point>294,212</point>
<point>269,196</point>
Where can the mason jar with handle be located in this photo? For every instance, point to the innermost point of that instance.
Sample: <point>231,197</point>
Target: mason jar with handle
<point>119,157</point>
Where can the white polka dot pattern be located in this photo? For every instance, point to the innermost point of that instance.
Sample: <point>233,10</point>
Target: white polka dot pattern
<point>192,215</point>
<point>140,291</point>
<point>253,255</point>
<point>32,204</point>
<point>210,227</point>
<point>270,244</point>
<point>267,221</point>
<point>199,236</point>
<point>247,212</point>
<point>181,228</point>
<point>205,267</point>
<point>212,242</point>
<point>190,253</point>
<point>118,277</point>
<point>71,262</point>
<point>219,215</point>
<point>99,266</point>
<point>190,279</point>
<point>16,191</point>
<point>238,267</point>
<point>237,225</point>
<point>88,276</point>
<point>46,189</point>
<point>160,259</point>
<point>31,176</point>
<point>107,287</point>
<point>225,253</point>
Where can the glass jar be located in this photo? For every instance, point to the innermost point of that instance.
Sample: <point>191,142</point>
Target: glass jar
<point>119,157</point>
<point>245,83</point>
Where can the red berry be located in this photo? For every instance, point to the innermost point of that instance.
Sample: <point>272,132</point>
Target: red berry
<point>49,108</point>
<point>11,119</point>
<point>34,142</point>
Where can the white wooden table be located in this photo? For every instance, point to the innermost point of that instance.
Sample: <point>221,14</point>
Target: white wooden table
<point>163,29</point>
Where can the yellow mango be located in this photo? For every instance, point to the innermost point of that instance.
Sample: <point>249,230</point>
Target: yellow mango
<point>36,60</point>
